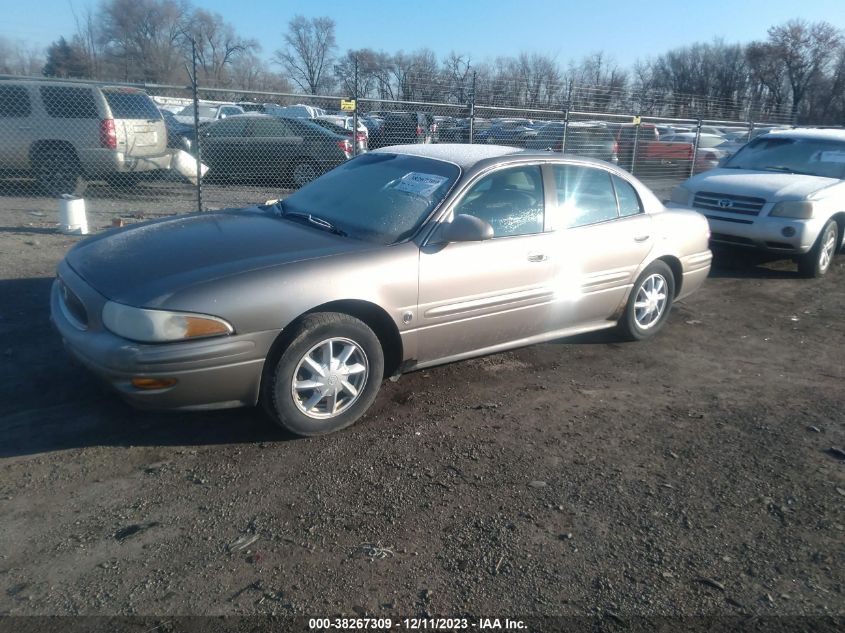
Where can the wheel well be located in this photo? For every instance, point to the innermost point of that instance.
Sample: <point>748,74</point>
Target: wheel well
<point>374,316</point>
<point>674,265</point>
<point>40,148</point>
<point>839,218</point>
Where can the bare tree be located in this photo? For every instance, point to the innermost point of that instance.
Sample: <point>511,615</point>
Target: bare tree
<point>307,55</point>
<point>144,38</point>
<point>806,51</point>
<point>218,46</point>
<point>18,58</point>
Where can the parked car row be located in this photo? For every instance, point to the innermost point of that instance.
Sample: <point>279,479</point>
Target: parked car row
<point>64,134</point>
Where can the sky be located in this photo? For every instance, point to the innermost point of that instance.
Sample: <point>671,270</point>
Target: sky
<point>484,29</point>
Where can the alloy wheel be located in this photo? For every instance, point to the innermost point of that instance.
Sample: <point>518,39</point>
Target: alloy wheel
<point>329,378</point>
<point>650,301</point>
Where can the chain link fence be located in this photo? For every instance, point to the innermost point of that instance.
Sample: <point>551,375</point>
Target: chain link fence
<point>143,151</point>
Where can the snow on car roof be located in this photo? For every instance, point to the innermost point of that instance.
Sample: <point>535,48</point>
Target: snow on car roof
<point>464,156</point>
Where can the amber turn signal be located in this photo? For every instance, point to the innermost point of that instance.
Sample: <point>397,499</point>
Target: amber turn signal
<point>198,327</point>
<point>152,383</point>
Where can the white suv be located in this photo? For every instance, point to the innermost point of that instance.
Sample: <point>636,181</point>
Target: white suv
<point>783,192</point>
<point>62,132</point>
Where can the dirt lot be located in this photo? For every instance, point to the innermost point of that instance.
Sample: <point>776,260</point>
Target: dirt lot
<point>685,476</point>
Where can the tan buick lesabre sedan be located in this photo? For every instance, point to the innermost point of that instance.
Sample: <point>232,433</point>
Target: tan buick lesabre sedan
<point>403,258</point>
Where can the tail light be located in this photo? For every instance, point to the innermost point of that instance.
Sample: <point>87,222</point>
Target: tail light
<point>419,130</point>
<point>432,128</point>
<point>360,137</point>
<point>615,147</point>
<point>345,145</point>
<point>108,134</point>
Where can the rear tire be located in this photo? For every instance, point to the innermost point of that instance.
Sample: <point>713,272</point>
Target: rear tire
<point>649,303</point>
<point>325,376</point>
<point>818,261</point>
<point>303,172</point>
<point>59,172</point>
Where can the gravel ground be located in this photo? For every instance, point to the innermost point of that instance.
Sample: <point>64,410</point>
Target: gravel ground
<point>696,474</point>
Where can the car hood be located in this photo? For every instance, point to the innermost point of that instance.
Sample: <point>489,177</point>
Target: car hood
<point>770,186</point>
<point>143,264</point>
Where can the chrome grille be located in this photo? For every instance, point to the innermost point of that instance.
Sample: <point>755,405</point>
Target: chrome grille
<point>73,307</point>
<point>728,203</point>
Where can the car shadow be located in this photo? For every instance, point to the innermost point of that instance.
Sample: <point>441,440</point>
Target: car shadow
<point>26,230</point>
<point>49,402</point>
<point>739,264</point>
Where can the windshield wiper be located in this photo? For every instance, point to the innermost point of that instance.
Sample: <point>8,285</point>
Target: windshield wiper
<point>313,220</point>
<point>788,170</point>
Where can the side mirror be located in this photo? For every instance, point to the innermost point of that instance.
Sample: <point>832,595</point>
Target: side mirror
<point>466,228</point>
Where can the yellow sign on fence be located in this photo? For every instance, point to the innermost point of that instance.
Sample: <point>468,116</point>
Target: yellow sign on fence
<point>347,105</point>
<point>637,120</point>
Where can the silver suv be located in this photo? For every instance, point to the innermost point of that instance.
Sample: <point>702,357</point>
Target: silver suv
<point>62,132</point>
<point>783,192</point>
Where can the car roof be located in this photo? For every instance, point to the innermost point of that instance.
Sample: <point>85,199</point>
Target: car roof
<point>810,133</point>
<point>465,156</point>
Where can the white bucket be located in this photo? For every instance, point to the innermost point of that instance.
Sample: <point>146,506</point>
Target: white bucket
<point>72,219</point>
<point>186,165</point>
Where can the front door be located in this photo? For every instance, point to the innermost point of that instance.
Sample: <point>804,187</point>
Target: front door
<point>476,295</point>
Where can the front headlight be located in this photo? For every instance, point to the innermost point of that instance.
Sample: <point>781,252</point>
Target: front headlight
<point>160,326</point>
<point>799,210</point>
<point>680,195</point>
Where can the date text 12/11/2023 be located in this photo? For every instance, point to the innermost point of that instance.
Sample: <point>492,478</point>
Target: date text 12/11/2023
<point>416,624</point>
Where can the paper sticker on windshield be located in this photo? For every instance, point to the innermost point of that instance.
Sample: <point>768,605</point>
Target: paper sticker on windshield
<point>832,156</point>
<point>420,184</point>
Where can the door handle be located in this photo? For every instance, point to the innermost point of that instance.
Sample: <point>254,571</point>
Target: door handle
<point>537,257</point>
<point>641,238</point>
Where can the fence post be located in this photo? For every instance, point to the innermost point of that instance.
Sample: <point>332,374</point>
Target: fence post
<point>196,121</point>
<point>472,110</point>
<point>750,130</point>
<point>565,130</point>
<point>636,142</point>
<point>355,111</point>
<point>695,149</point>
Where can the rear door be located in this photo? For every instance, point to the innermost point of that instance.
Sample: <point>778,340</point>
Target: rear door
<point>139,125</point>
<point>274,146</point>
<point>225,147</point>
<point>604,236</point>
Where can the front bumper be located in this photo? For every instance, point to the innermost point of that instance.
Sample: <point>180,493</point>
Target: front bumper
<point>211,373</point>
<point>764,232</point>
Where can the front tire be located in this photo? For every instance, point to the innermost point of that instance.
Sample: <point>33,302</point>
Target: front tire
<point>817,262</point>
<point>649,303</point>
<point>326,376</point>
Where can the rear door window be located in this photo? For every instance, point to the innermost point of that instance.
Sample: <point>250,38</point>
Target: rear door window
<point>228,128</point>
<point>269,128</point>
<point>629,201</point>
<point>64,102</point>
<point>585,196</point>
<point>131,105</point>
<point>14,102</point>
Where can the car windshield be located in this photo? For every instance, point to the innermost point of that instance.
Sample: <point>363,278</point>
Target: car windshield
<point>810,156</point>
<point>205,111</point>
<point>377,197</point>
